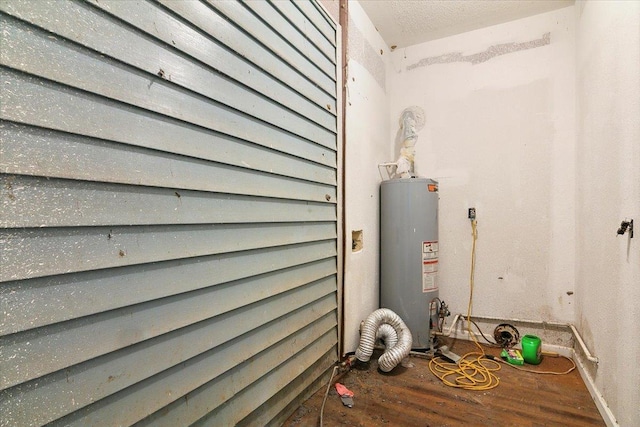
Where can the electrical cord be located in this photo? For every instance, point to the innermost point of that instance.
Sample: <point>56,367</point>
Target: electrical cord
<point>520,368</point>
<point>335,369</point>
<point>489,342</point>
<point>474,371</point>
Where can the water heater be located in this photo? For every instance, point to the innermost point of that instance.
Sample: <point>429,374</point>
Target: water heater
<point>409,252</point>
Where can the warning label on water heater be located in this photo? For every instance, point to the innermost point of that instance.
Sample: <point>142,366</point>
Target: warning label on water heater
<point>429,266</point>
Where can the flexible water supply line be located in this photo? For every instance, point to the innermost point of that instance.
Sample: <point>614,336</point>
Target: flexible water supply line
<point>392,355</point>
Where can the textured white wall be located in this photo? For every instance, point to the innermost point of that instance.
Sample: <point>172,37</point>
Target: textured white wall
<point>367,145</point>
<point>534,123</point>
<point>500,136</point>
<point>608,190</point>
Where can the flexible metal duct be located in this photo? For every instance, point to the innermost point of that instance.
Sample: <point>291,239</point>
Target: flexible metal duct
<point>392,355</point>
<point>387,335</point>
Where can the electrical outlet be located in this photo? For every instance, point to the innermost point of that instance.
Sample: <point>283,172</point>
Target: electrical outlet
<point>472,213</point>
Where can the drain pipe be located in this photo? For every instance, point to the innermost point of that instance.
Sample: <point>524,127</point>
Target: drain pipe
<point>585,350</point>
<point>574,331</point>
<point>530,322</point>
<point>453,325</point>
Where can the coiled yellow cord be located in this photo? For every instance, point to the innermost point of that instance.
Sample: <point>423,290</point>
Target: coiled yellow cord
<point>473,371</point>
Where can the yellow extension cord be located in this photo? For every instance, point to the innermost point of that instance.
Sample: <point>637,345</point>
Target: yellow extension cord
<point>474,371</point>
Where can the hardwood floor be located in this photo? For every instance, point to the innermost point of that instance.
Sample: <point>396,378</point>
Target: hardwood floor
<point>411,395</point>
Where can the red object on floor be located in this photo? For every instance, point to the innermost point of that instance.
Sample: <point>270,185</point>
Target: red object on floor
<point>343,391</point>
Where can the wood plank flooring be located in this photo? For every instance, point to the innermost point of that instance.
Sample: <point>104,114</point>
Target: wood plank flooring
<point>411,395</point>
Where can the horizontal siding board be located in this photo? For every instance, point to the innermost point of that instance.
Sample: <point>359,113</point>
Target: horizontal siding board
<point>241,390</point>
<point>27,355</point>
<point>321,14</point>
<point>185,411</point>
<point>17,89</point>
<point>180,359</point>
<point>36,253</point>
<point>33,303</point>
<point>151,92</point>
<point>304,26</point>
<point>276,410</point>
<point>121,164</point>
<point>62,155</point>
<point>319,17</point>
<point>253,396</point>
<point>217,26</point>
<point>323,75</point>
<point>41,202</point>
<point>98,118</point>
<point>168,176</point>
<point>148,396</point>
<point>52,105</point>
<point>180,173</point>
<point>162,25</point>
<point>34,52</point>
<point>292,34</point>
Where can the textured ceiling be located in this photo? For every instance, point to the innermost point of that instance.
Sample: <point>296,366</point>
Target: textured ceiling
<point>406,22</point>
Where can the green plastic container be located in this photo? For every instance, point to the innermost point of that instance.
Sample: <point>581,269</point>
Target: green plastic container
<point>531,349</point>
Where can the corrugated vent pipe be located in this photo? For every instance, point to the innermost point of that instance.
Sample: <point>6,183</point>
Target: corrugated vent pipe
<point>374,327</point>
<point>387,335</point>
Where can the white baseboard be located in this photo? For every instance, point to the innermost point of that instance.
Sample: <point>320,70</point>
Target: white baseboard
<point>601,404</point>
<point>562,351</point>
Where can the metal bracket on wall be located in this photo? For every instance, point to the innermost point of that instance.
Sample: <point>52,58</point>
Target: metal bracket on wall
<point>626,225</point>
<point>389,168</point>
